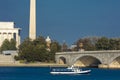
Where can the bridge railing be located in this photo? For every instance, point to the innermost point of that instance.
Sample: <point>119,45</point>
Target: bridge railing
<point>94,52</point>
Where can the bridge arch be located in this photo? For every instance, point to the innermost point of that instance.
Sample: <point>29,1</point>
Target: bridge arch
<point>87,61</point>
<point>116,61</point>
<point>104,57</point>
<point>62,60</point>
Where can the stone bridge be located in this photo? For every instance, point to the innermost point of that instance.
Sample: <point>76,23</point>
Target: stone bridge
<point>106,58</point>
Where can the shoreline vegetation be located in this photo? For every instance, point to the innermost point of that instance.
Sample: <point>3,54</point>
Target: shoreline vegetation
<point>38,50</point>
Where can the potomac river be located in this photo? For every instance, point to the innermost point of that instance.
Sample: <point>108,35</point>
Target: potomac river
<point>42,73</point>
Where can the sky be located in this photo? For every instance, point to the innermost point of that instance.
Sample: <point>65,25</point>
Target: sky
<point>65,20</point>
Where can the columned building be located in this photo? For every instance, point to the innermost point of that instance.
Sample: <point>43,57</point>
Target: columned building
<point>8,31</point>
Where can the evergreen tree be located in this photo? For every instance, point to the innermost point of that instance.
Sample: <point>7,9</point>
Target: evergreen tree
<point>5,45</point>
<point>8,45</point>
<point>12,44</point>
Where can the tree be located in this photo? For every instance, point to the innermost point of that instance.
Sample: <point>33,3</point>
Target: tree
<point>102,44</point>
<point>32,51</point>
<point>64,47</point>
<point>12,44</point>
<point>55,47</point>
<point>39,40</point>
<point>26,50</point>
<point>88,43</point>
<point>114,44</point>
<point>5,45</point>
<point>118,44</point>
<point>8,45</point>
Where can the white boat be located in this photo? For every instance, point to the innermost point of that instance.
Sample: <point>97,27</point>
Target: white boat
<point>70,70</point>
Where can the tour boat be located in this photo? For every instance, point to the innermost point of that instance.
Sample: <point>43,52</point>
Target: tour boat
<point>70,70</point>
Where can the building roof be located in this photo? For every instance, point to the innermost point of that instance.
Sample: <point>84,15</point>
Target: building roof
<point>6,25</point>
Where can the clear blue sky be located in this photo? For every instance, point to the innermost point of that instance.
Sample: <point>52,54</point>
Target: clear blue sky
<point>66,20</point>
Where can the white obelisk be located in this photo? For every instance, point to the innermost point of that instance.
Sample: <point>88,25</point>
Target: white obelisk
<point>32,25</point>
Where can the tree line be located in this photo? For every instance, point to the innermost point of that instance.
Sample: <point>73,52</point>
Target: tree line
<point>36,50</point>
<point>8,45</point>
<point>98,43</point>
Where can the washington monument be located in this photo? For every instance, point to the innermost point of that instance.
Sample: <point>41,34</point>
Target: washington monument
<point>32,24</point>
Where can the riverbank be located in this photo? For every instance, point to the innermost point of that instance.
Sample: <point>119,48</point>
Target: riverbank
<point>50,65</point>
<point>33,65</point>
<point>109,66</point>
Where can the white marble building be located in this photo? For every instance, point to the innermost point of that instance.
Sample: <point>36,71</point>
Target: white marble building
<point>8,31</point>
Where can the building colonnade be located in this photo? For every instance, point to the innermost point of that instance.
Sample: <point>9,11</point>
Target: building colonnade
<point>9,33</point>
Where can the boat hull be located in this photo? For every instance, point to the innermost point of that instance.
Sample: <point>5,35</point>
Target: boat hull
<point>80,72</point>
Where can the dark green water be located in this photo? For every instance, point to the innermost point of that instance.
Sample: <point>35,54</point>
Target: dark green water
<point>42,73</point>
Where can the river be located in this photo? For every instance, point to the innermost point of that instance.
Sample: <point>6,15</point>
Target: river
<point>42,73</point>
